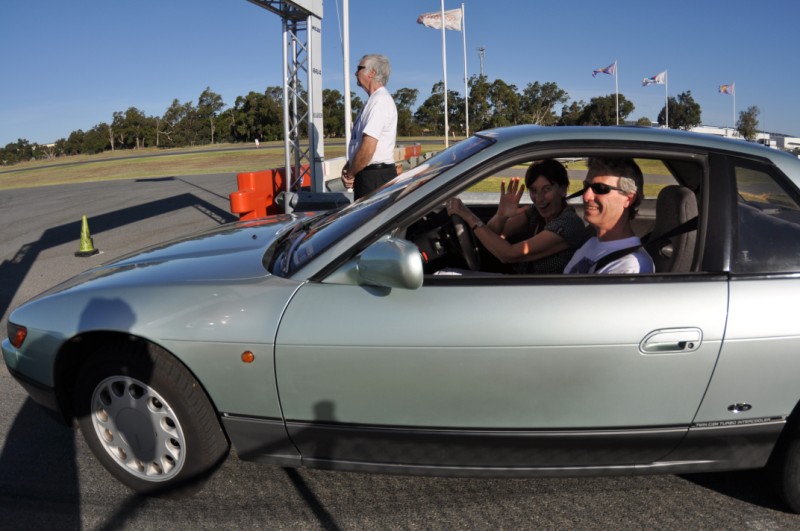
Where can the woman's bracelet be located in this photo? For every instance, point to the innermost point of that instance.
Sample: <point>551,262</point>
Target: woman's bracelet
<point>478,225</point>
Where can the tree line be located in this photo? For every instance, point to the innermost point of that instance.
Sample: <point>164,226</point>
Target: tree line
<point>259,116</point>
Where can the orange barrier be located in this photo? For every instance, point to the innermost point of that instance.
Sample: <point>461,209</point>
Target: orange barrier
<point>406,152</point>
<point>257,191</point>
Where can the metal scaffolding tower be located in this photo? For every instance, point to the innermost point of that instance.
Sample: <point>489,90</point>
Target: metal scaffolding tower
<point>302,53</point>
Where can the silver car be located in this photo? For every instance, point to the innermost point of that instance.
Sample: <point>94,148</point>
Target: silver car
<point>328,340</point>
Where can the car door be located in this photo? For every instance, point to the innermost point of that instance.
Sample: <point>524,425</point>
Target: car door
<point>755,381</point>
<point>503,371</point>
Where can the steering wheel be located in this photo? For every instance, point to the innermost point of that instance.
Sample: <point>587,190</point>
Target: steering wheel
<point>466,243</point>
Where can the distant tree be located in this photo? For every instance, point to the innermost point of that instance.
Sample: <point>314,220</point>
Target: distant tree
<point>179,124</point>
<point>480,109</point>
<point>74,143</point>
<point>61,144</point>
<point>356,104</point>
<point>644,122</point>
<point>505,102</point>
<point>747,125</point>
<point>271,114</point>
<point>430,114</point>
<point>189,125</point>
<point>332,113</point>
<point>684,112</point>
<point>224,126</point>
<point>118,135</point>
<point>456,113</point>
<point>96,139</point>
<point>259,116</point>
<point>405,98</point>
<point>538,101</point>
<point>571,114</point>
<point>209,104</point>
<point>131,128</point>
<point>602,110</point>
<point>16,152</point>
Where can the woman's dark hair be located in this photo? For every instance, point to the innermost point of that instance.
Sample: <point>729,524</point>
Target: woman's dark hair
<point>550,169</point>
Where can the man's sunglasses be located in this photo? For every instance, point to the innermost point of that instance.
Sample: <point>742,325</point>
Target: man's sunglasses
<point>601,188</point>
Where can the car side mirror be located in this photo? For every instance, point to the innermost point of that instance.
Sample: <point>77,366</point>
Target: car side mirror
<point>391,263</point>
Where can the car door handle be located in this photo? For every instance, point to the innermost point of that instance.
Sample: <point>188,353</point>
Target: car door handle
<point>672,341</point>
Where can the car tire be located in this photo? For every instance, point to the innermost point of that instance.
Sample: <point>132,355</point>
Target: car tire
<point>784,469</point>
<point>147,419</point>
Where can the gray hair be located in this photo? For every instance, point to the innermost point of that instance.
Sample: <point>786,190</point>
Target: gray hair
<point>630,176</point>
<point>380,65</point>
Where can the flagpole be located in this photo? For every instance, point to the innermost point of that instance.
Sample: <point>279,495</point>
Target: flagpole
<point>734,106</point>
<point>616,86</point>
<point>666,98</point>
<point>444,67</point>
<point>348,113</point>
<point>466,85</point>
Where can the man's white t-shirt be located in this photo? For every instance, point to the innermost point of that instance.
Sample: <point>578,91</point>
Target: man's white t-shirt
<point>585,259</point>
<point>377,119</point>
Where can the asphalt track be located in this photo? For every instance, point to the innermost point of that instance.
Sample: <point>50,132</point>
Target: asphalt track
<point>49,480</point>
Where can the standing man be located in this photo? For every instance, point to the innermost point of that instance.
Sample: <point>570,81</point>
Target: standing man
<point>612,193</point>
<point>370,155</point>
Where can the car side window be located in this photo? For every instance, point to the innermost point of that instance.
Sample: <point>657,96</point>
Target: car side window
<point>768,239</point>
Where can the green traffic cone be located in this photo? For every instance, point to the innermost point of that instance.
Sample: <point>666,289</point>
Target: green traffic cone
<point>87,245</point>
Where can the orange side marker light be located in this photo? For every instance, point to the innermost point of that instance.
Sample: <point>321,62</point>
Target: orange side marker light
<point>248,357</point>
<point>17,334</point>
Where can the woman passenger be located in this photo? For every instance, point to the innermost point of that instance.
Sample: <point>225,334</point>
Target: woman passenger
<point>551,229</point>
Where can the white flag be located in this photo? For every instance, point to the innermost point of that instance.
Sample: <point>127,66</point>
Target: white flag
<point>658,79</point>
<point>452,20</point>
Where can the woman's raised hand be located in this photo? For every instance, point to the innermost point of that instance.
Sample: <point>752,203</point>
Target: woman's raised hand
<point>509,198</point>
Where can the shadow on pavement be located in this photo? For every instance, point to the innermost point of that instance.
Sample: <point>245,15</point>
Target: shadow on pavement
<point>14,271</point>
<point>38,469</point>
<point>750,486</point>
<point>38,472</point>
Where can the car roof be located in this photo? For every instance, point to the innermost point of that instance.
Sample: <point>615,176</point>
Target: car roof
<point>525,134</point>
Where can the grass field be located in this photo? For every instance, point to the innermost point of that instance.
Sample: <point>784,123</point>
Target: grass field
<point>219,158</point>
<point>649,167</point>
<point>151,162</point>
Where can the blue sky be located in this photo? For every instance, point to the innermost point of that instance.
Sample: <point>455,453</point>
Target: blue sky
<point>71,65</point>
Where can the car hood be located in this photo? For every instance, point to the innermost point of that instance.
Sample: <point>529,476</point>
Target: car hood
<point>228,253</point>
<point>210,286</point>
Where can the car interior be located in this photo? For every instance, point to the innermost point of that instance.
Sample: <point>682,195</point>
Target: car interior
<point>666,222</point>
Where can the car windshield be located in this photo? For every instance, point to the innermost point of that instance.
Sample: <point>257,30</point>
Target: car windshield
<point>311,236</point>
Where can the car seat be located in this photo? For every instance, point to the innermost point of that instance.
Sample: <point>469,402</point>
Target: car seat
<point>671,244</point>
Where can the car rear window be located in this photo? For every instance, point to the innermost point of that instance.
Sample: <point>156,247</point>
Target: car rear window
<point>768,223</point>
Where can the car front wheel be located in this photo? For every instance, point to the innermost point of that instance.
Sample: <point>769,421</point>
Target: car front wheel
<point>147,420</point>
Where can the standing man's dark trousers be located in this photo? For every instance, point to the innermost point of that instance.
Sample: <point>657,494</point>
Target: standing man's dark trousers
<point>372,177</point>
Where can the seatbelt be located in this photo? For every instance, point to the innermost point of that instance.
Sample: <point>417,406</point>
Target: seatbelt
<point>686,226</point>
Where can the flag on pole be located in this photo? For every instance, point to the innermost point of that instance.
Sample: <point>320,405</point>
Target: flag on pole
<point>452,20</point>
<point>658,79</point>
<point>726,89</point>
<point>610,69</point>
